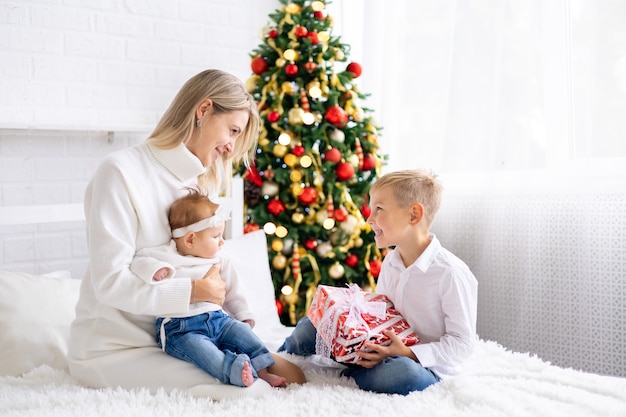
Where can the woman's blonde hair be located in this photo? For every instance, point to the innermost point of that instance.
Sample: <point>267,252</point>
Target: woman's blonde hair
<point>177,124</point>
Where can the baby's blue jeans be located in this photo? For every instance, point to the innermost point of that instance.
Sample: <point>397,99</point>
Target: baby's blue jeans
<point>215,342</point>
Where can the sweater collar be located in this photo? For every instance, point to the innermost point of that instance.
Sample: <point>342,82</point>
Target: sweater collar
<point>179,161</point>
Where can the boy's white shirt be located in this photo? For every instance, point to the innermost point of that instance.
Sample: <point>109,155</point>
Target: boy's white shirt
<point>437,295</point>
<point>149,260</point>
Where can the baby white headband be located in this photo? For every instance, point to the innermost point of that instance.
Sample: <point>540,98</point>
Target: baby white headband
<point>221,215</point>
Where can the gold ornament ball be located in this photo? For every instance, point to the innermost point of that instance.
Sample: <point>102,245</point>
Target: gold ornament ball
<point>293,8</point>
<point>269,188</point>
<point>279,262</point>
<point>281,231</point>
<point>291,160</point>
<point>277,245</point>
<point>306,161</point>
<point>321,216</point>
<point>296,189</point>
<point>358,115</point>
<point>297,217</point>
<point>296,115</point>
<point>324,249</point>
<point>279,150</point>
<point>295,175</point>
<point>291,298</point>
<point>288,87</point>
<point>318,6</point>
<point>290,55</point>
<point>336,271</point>
<point>251,83</point>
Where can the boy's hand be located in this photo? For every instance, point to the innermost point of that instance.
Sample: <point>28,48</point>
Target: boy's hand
<point>379,353</point>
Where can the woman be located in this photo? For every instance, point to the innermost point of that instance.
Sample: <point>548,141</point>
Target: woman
<point>211,124</point>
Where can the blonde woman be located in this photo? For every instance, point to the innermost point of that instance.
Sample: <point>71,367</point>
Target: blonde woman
<point>211,123</point>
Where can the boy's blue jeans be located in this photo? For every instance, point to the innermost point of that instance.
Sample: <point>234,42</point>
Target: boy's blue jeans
<point>395,375</point>
<point>217,343</point>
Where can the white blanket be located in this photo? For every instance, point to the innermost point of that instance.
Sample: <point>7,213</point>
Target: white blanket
<point>496,382</point>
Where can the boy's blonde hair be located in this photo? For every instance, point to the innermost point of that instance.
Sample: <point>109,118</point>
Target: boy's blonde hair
<point>190,209</point>
<point>228,94</point>
<point>413,186</point>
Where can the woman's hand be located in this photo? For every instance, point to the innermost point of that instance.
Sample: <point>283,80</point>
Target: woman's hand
<point>211,288</point>
<point>379,353</point>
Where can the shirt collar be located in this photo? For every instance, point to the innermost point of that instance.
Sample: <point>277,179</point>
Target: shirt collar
<point>424,261</point>
<point>179,161</point>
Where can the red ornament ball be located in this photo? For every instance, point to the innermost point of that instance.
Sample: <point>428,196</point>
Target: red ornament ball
<point>310,243</point>
<point>336,115</point>
<point>375,265</point>
<point>273,33</point>
<point>369,162</point>
<point>275,207</point>
<point>308,195</point>
<point>366,211</point>
<point>250,227</point>
<point>341,214</point>
<point>279,307</point>
<point>344,171</point>
<point>291,69</point>
<point>352,260</point>
<point>318,14</point>
<point>332,155</point>
<point>310,66</point>
<point>354,68</point>
<point>313,36</point>
<point>301,31</point>
<point>258,65</point>
<point>273,116</point>
<point>298,150</point>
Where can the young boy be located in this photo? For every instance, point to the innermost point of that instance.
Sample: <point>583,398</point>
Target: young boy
<point>432,288</point>
<point>224,346</point>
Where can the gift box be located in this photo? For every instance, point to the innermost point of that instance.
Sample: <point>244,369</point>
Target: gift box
<point>347,318</point>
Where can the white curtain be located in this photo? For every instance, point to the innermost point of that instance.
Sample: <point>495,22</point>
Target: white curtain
<point>494,88</point>
<point>520,106</point>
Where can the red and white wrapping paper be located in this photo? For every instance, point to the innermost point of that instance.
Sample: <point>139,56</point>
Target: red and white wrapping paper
<point>346,318</point>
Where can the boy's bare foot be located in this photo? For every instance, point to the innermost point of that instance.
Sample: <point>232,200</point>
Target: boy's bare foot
<point>272,379</point>
<point>246,375</point>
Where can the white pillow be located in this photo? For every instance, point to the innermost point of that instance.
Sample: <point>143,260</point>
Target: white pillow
<point>35,316</point>
<point>36,310</point>
<point>248,254</point>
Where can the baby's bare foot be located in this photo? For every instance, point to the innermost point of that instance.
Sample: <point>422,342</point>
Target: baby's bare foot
<point>246,375</point>
<point>272,379</point>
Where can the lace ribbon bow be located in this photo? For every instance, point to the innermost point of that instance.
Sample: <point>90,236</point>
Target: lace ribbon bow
<point>351,300</point>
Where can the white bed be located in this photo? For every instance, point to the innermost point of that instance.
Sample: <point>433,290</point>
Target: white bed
<point>35,313</point>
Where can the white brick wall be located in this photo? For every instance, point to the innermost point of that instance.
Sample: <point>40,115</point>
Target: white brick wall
<point>73,70</point>
<point>115,64</point>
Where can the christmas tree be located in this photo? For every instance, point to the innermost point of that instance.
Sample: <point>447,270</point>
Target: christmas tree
<point>317,157</point>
